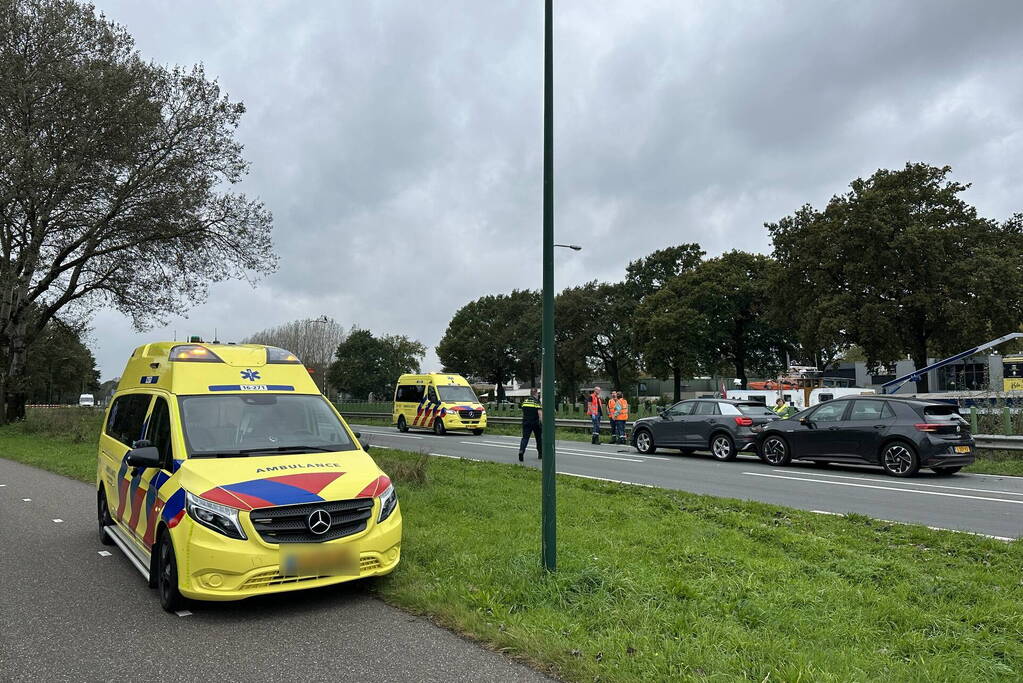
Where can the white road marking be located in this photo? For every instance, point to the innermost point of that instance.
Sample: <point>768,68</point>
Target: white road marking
<point>396,436</point>
<point>104,553</point>
<point>614,481</point>
<point>58,521</point>
<point>910,483</point>
<point>183,613</point>
<point>2,485</point>
<point>884,488</point>
<point>560,450</point>
<point>444,455</point>
<point>933,528</point>
<point>27,500</point>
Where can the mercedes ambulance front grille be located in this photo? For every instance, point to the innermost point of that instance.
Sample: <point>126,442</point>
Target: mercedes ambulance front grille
<point>290,523</point>
<point>469,414</point>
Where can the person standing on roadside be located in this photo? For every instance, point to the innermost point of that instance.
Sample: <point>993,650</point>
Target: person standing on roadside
<point>594,408</point>
<point>612,415</point>
<point>623,417</point>
<point>532,421</point>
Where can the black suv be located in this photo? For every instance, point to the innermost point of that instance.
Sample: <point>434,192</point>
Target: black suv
<point>721,426</point>
<point>901,435</point>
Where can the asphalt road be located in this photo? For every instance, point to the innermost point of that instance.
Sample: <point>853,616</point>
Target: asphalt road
<point>72,609</point>
<point>977,503</point>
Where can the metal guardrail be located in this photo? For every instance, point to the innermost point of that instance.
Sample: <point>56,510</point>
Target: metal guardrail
<point>493,419</point>
<point>998,442</point>
<point>995,442</point>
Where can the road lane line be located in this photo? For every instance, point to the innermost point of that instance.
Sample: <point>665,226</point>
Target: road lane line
<point>26,500</point>
<point>103,553</point>
<point>560,450</point>
<point>1007,539</point>
<point>444,455</point>
<point>183,613</point>
<point>396,436</point>
<point>58,521</point>
<point>613,481</point>
<point>909,483</point>
<point>885,488</point>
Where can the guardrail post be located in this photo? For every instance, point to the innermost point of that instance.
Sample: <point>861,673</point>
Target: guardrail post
<point>1006,421</point>
<point>973,419</point>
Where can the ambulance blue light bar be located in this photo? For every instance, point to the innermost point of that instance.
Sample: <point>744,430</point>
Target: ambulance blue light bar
<point>193,353</point>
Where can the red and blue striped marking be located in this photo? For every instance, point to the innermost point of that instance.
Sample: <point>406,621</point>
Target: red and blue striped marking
<point>287,489</point>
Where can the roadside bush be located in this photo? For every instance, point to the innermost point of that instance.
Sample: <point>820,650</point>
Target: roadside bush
<point>75,424</point>
<point>402,469</point>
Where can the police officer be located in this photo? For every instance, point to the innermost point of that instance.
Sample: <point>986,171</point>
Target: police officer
<point>532,417</point>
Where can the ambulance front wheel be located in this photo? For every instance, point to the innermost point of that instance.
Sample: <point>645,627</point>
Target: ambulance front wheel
<point>402,425</point>
<point>167,575</point>
<point>105,520</point>
<point>438,427</point>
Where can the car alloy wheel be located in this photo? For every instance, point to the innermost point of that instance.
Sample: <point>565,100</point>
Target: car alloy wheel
<point>644,441</point>
<point>899,460</point>
<point>775,451</point>
<point>722,448</point>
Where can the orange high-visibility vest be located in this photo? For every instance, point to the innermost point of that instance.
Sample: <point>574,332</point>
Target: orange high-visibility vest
<point>623,409</point>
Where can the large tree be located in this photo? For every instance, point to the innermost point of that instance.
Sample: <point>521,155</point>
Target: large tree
<point>314,341</point>
<point>669,335</point>
<point>652,272</point>
<point>366,364</point>
<point>598,318</point>
<point>114,181</point>
<point>901,264</point>
<point>60,366</point>
<point>494,338</point>
<point>727,300</point>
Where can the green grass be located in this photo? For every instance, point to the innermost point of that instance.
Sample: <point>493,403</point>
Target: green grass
<point>663,585</point>
<point>998,462</point>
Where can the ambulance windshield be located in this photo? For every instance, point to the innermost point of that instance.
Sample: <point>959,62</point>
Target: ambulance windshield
<point>457,394</point>
<point>260,424</point>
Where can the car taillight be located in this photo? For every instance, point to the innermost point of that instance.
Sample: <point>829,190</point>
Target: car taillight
<point>744,421</point>
<point>927,427</point>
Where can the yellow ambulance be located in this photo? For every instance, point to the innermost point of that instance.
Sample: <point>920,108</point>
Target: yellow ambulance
<point>224,473</point>
<point>437,401</point>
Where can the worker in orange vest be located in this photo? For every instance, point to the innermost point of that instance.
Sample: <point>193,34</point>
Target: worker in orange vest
<point>594,408</point>
<point>622,418</point>
<point>612,415</point>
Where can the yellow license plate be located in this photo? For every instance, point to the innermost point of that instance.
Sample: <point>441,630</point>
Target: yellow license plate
<point>962,449</point>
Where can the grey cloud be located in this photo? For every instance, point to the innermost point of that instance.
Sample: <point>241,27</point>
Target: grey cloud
<point>398,144</point>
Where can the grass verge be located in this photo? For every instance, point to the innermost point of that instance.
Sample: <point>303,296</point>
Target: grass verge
<point>562,434</point>
<point>666,585</point>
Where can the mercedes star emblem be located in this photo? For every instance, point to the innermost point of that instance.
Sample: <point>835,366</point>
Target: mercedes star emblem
<point>319,522</point>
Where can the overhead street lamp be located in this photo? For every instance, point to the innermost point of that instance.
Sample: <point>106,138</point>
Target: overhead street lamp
<point>573,247</point>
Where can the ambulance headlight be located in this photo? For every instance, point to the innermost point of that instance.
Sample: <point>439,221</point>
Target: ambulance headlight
<point>220,518</point>
<point>388,501</point>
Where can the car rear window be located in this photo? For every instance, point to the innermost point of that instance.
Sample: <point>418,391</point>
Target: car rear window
<point>947,413</point>
<point>756,411</point>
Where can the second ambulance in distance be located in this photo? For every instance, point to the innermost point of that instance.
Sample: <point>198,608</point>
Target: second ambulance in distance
<point>224,473</point>
<point>437,401</point>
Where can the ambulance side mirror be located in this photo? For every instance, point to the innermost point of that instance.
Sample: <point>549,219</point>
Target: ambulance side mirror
<point>146,457</point>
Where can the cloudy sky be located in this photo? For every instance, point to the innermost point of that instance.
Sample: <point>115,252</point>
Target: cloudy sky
<point>399,146</point>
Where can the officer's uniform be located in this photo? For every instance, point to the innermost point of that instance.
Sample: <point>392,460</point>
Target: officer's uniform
<point>530,427</point>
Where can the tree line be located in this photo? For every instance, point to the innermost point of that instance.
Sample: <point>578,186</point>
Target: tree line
<point>900,265</point>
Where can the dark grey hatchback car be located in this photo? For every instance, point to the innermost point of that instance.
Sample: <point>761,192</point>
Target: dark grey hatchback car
<point>901,435</point>
<point>721,426</point>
